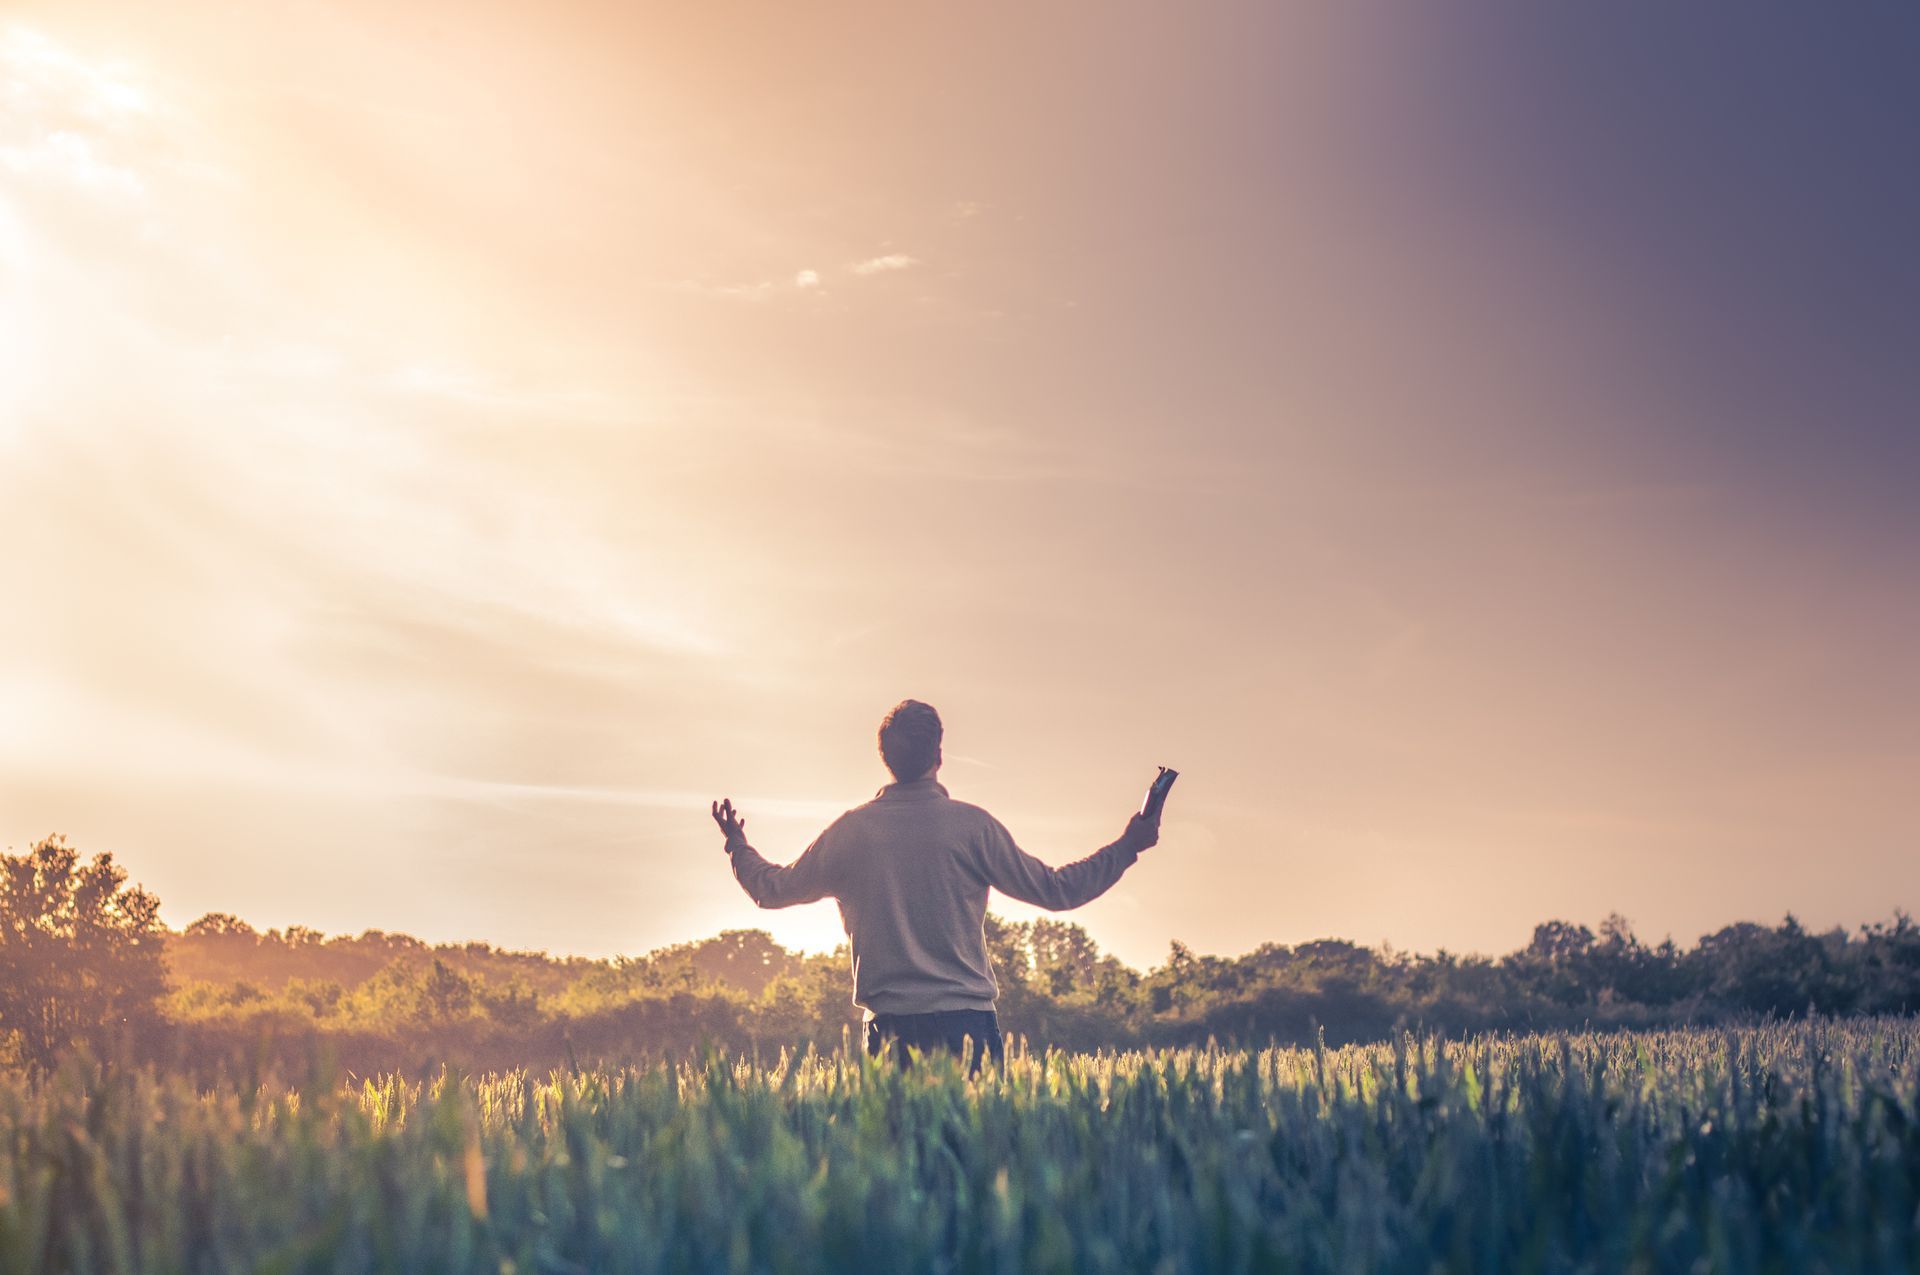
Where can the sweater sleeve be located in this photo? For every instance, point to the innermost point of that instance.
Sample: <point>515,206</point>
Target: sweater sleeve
<point>805,880</point>
<point>1018,875</point>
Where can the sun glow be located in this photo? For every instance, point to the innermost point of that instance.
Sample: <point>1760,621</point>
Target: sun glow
<point>441,440</point>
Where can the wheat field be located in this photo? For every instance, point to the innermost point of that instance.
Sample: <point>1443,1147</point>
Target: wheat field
<point>1777,1148</point>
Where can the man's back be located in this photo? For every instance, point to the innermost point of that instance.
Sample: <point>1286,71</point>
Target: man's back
<point>914,900</point>
<point>911,870</point>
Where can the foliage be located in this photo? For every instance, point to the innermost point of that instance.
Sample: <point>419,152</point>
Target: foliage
<point>389,1001</point>
<point>1773,1148</point>
<point>80,952</point>
<point>743,991</point>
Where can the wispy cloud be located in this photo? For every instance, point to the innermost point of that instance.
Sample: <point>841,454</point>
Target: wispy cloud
<point>72,159</point>
<point>38,74</point>
<point>65,121</point>
<point>72,725</point>
<point>880,265</point>
<point>487,396</point>
<point>803,280</point>
<point>284,475</point>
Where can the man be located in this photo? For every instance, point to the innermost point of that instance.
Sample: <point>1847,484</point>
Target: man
<point>911,870</point>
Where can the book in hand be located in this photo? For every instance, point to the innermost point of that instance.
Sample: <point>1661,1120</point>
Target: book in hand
<point>1157,792</point>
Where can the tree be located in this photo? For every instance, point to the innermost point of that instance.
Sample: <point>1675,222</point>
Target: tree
<point>1560,943</point>
<point>1338,957</point>
<point>220,925</point>
<point>1557,964</point>
<point>406,993</point>
<point>1008,952</point>
<point>445,994</point>
<point>1170,989</point>
<point>80,952</point>
<point>1064,957</point>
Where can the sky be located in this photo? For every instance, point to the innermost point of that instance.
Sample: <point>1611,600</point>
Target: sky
<point>445,446</point>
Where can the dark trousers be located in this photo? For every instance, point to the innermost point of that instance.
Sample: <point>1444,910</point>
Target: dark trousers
<point>958,1031</point>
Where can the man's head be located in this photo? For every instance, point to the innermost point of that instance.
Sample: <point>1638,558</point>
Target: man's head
<point>910,739</point>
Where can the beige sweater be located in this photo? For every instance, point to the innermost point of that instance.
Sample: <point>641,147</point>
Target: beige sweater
<point>911,869</point>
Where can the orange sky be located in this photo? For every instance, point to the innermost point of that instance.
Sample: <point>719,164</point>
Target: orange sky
<point>442,452</point>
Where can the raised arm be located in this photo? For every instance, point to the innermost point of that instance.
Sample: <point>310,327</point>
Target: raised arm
<point>1019,875</point>
<point>805,880</point>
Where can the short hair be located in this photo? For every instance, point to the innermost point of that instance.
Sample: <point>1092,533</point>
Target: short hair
<point>910,739</point>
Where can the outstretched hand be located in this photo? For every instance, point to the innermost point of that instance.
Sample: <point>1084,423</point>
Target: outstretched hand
<point>1143,832</point>
<point>732,824</point>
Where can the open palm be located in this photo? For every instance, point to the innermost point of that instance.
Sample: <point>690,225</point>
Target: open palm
<point>731,823</point>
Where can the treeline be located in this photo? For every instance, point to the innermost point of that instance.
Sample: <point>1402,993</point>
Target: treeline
<point>83,960</point>
<point>383,1001</point>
